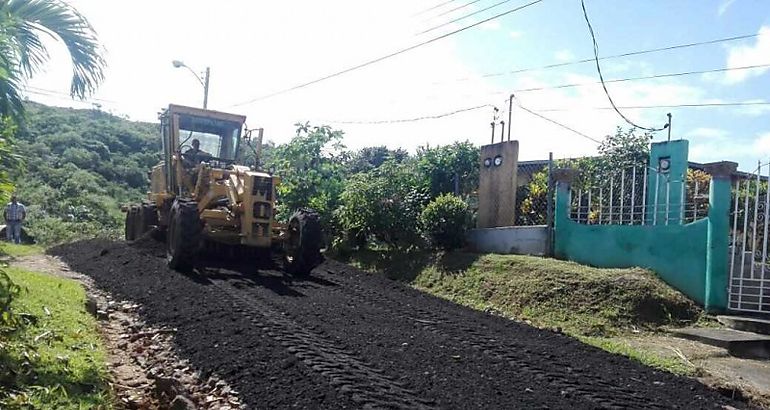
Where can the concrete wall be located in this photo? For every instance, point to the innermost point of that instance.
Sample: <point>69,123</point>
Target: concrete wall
<point>692,258</point>
<point>677,253</point>
<point>497,184</point>
<point>522,240</point>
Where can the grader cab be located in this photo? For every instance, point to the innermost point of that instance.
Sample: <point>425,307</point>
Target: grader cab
<point>201,197</point>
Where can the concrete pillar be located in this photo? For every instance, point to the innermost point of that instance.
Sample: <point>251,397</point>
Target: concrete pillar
<point>717,241</point>
<point>674,155</point>
<point>498,171</point>
<point>563,178</point>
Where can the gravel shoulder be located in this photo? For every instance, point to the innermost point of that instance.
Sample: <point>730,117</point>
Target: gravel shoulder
<point>344,338</point>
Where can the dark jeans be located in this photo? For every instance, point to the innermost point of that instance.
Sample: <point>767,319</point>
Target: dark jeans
<point>13,231</point>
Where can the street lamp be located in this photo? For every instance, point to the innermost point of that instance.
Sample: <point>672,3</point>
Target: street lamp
<point>204,81</point>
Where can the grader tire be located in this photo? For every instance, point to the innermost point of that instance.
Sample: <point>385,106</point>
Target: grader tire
<point>130,227</point>
<point>183,237</point>
<point>303,244</point>
<point>147,218</point>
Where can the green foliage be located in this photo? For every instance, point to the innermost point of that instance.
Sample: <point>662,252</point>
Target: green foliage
<point>23,24</point>
<point>81,166</point>
<point>438,167</point>
<point>445,220</point>
<point>384,203</point>
<point>531,200</point>
<point>311,168</point>
<point>56,359</point>
<point>369,158</point>
<point>619,151</point>
<point>9,159</point>
<point>8,292</point>
<point>625,149</point>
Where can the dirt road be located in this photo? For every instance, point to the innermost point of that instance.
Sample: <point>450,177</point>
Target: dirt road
<point>348,339</point>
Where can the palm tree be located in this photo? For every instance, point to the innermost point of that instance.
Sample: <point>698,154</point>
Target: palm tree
<point>22,52</point>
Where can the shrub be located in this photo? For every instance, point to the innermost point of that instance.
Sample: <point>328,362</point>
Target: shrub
<point>382,204</point>
<point>445,221</point>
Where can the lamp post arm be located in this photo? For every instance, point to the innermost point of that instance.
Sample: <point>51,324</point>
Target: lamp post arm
<point>197,77</point>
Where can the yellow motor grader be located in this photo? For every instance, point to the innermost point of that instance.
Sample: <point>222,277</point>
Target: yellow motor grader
<point>201,197</point>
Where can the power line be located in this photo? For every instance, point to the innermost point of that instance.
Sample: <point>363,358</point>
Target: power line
<point>464,17</point>
<point>644,107</point>
<point>552,121</point>
<point>426,117</point>
<point>592,59</point>
<point>601,76</point>
<point>462,6</point>
<point>541,110</point>
<point>387,56</point>
<point>648,77</point>
<point>444,3</point>
<point>54,93</point>
<point>614,80</point>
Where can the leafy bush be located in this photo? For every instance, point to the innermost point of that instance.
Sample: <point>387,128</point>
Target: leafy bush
<point>445,220</point>
<point>311,171</point>
<point>439,165</point>
<point>8,292</point>
<point>383,204</point>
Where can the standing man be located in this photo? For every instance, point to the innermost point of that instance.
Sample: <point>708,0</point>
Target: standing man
<point>14,214</point>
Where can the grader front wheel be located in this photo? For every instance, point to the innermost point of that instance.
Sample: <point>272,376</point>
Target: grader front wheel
<point>303,243</point>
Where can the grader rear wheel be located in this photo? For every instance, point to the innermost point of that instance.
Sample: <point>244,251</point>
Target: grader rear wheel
<point>130,226</point>
<point>303,243</point>
<point>147,219</point>
<point>184,236</point>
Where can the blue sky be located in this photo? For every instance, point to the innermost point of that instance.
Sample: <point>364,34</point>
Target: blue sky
<point>554,29</point>
<point>255,48</point>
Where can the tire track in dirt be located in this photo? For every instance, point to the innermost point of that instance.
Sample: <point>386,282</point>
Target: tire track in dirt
<point>565,382</point>
<point>344,338</point>
<point>367,385</point>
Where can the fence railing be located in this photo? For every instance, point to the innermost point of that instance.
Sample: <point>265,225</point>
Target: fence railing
<point>638,195</point>
<point>749,265</point>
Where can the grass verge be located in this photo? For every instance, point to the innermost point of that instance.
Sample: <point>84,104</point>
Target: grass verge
<point>55,360</point>
<point>597,306</point>
<point>620,347</point>
<point>13,250</point>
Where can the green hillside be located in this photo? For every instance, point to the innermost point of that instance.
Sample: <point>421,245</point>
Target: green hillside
<point>80,165</point>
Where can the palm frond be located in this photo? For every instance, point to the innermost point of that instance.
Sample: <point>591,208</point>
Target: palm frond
<point>10,82</point>
<point>22,21</point>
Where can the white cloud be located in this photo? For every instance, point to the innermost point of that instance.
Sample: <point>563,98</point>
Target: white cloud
<point>749,55</point>
<point>515,34</point>
<point>744,149</point>
<point>762,145</point>
<point>564,55</point>
<point>705,132</point>
<point>753,110</point>
<point>724,6</point>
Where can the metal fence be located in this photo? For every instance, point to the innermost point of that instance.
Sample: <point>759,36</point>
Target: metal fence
<point>749,271</point>
<point>638,195</point>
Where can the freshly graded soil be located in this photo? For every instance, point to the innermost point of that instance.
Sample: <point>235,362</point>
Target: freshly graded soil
<point>343,338</point>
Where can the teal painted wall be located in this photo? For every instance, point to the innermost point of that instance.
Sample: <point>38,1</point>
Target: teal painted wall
<point>691,258</point>
<point>718,242</point>
<point>677,153</point>
<point>677,253</point>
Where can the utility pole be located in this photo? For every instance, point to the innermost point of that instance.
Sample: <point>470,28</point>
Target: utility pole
<point>510,112</point>
<point>495,113</point>
<point>204,81</point>
<point>206,89</point>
